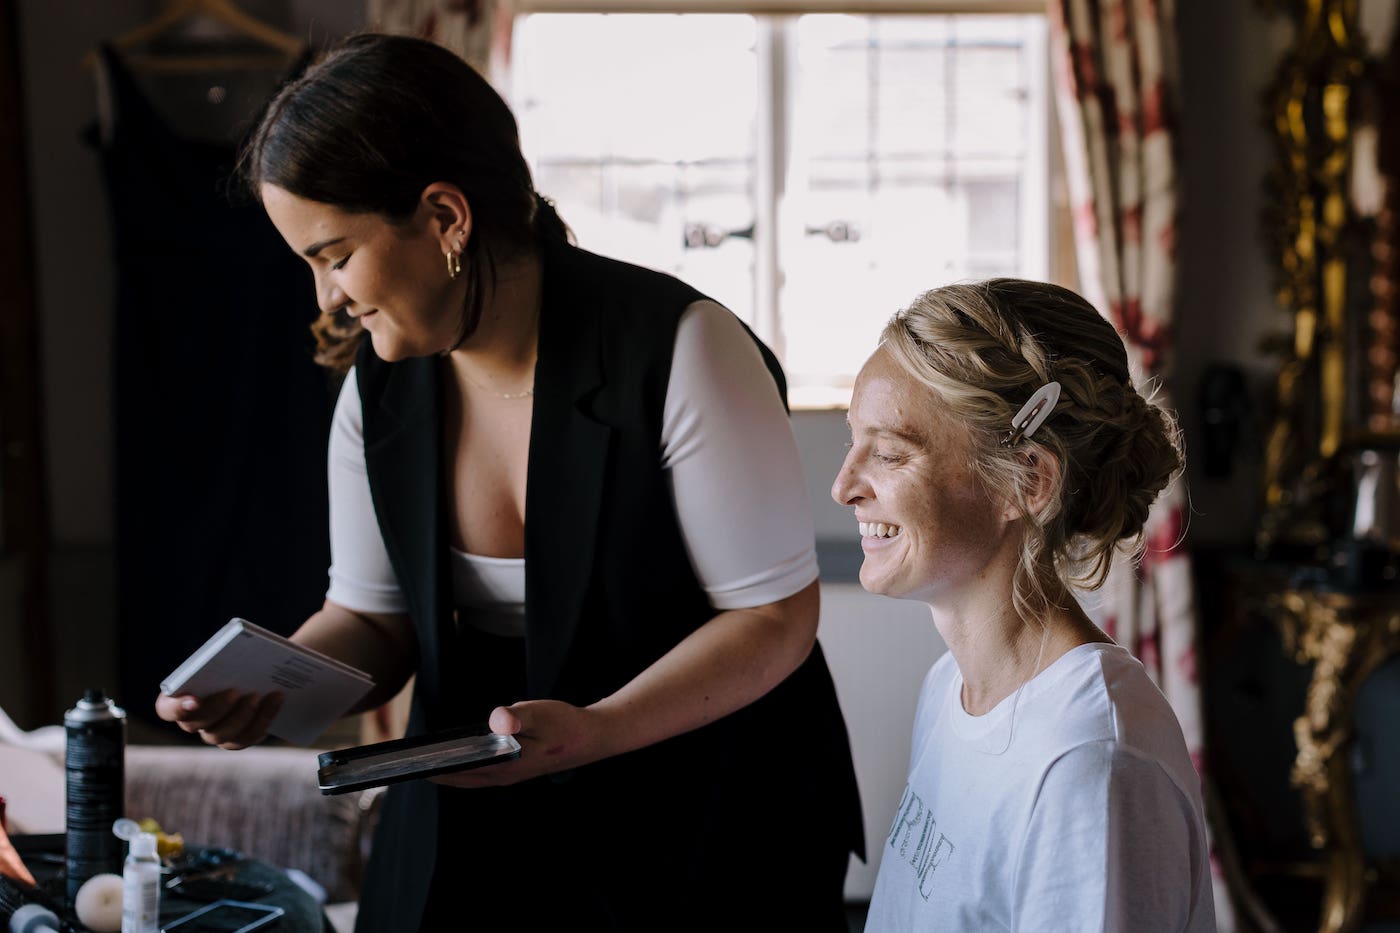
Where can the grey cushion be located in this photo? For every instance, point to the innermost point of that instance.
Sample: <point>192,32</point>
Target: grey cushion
<point>261,801</point>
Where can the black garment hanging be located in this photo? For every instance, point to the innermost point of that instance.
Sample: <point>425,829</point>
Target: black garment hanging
<point>220,414</point>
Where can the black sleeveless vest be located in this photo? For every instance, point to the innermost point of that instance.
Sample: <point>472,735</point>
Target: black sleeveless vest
<point>609,589</point>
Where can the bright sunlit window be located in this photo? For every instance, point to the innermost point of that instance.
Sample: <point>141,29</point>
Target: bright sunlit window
<point>813,173</point>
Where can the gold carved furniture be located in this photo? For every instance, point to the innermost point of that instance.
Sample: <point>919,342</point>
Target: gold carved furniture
<point>1345,637</point>
<point>1330,532</point>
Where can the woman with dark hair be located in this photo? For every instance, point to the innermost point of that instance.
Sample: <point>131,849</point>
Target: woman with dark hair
<point>566,499</point>
<point>1000,457</point>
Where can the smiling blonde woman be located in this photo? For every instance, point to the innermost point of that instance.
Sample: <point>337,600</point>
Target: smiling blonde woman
<point>1000,457</point>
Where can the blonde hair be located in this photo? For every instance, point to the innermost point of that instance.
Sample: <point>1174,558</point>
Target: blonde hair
<point>985,347</point>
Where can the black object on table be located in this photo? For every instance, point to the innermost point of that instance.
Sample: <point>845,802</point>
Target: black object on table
<point>204,874</point>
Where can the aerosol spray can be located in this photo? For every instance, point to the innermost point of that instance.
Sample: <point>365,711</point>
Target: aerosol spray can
<point>95,766</point>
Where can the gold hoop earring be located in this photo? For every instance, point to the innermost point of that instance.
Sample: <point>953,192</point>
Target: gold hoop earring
<point>454,264</point>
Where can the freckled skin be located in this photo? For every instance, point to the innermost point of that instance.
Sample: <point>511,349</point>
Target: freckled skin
<point>909,466</point>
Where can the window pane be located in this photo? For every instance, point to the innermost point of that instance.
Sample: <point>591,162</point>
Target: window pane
<point>641,128</point>
<point>913,149</point>
<point>910,139</point>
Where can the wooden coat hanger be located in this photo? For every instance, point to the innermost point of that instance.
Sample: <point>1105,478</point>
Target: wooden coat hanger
<point>225,12</point>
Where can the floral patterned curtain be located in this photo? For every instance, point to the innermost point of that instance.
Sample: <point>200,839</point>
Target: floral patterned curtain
<point>1116,88</point>
<point>477,30</point>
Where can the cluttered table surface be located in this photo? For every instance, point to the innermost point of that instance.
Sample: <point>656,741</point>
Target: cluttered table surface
<point>191,880</point>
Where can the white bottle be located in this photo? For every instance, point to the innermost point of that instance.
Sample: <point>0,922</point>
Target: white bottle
<point>141,886</point>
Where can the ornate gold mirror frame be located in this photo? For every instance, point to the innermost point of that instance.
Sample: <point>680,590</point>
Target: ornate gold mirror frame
<point>1336,393</point>
<point>1331,483</point>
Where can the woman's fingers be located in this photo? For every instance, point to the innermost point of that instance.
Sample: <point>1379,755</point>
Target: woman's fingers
<point>505,721</point>
<point>228,729</point>
<point>169,707</point>
<point>264,711</point>
<point>227,719</point>
<point>183,708</point>
<point>195,713</point>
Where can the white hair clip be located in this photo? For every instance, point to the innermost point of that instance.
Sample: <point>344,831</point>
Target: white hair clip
<point>1033,414</point>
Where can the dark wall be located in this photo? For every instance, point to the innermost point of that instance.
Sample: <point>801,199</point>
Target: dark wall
<point>75,286</point>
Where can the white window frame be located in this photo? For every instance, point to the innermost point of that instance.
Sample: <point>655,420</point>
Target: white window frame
<point>780,7</point>
<point>776,21</point>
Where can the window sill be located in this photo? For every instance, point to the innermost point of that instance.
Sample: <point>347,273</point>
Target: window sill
<point>819,398</point>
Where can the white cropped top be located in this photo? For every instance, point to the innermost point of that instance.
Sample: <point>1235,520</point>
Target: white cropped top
<point>726,444</point>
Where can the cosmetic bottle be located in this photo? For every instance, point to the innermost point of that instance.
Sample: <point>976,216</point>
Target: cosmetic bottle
<point>141,886</point>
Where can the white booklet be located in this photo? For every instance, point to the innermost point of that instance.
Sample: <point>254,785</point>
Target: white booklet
<point>317,689</point>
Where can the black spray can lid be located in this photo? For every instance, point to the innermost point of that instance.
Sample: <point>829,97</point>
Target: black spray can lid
<point>93,707</point>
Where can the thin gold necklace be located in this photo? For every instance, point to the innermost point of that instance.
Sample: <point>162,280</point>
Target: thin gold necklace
<point>527,393</point>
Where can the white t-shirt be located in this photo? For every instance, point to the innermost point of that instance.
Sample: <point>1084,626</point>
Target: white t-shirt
<point>729,451</point>
<point>1090,820</point>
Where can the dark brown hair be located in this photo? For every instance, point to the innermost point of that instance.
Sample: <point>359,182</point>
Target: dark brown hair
<point>375,122</point>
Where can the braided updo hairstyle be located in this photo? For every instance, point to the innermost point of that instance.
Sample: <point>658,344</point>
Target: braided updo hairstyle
<point>985,348</point>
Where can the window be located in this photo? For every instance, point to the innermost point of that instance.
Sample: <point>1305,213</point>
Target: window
<point>813,173</point>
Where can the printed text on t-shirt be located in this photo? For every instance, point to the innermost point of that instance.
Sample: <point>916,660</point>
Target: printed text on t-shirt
<point>916,839</point>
